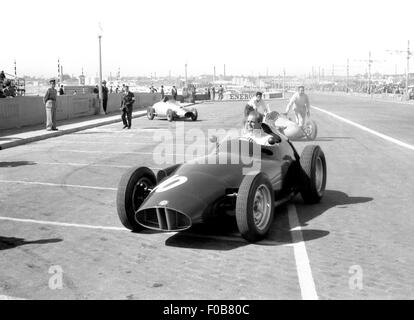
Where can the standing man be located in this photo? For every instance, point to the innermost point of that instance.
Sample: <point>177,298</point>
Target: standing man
<point>50,103</point>
<point>174,93</point>
<point>301,107</point>
<point>258,104</point>
<point>162,92</point>
<point>104,96</point>
<point>220,92</point>
<point>126,106</point>
<point>213,93</point>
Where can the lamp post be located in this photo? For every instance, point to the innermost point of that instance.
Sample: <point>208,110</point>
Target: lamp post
<point>100,71</point>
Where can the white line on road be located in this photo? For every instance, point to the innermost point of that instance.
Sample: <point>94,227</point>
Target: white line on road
<point>56,185</point>
<point>64,224</point>
<point>378,134</point>
<point>307,285</point>
<point>3,297</point>
<point>75,164</point>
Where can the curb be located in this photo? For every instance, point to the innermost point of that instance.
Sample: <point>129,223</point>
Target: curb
<point>43,136</point>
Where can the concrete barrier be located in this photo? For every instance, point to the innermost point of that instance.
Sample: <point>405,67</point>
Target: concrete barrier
<point>30,110</point>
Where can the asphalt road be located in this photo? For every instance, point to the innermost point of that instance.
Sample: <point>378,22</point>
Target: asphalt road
<point>58,218</point>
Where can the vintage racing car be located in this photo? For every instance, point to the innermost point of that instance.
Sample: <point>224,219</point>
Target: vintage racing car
<point>291,129</point>
<point>171,109</point>
<point>192,192</point>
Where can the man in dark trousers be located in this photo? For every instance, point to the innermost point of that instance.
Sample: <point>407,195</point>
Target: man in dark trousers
<point>126,106</point>
<point>104,96</point>
<point>174,93</point>
<point>162,92</point>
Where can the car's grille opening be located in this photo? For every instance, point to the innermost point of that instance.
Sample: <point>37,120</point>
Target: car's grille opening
<point>161,218</point>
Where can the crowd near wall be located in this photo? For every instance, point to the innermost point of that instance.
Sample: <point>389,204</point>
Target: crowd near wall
<point>30,110</point>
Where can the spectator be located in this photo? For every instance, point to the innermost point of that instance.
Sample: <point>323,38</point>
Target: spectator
<point>104,96</point>
<point>162,92</point>
<point>213,93</point>
<point>2,78</point>
<point>75,93</point>
<point>1,93</point>
<point>50,104</point>
<point>174,93</point>
<point>110,89</point>
<point>152,89</point>
<point>96,90</point>
<point>126,106</point>
<point>208,94</point>
<point>9,91</point>
<point>220,92</point>
<point>117,89</point>
<point>61,91</point>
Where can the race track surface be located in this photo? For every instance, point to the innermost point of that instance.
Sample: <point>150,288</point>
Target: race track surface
<point>58,218</point>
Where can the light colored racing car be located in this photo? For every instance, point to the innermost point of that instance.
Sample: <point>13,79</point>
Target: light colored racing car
<point>172,110</point>
<point>290,128</point>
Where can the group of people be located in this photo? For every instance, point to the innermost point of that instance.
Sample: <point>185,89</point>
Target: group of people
<point>256,110</point>
<point>211,93</point>
<point>7,90</point>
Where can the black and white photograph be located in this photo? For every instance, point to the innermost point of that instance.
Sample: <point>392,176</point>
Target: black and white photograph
<point>227,151</point>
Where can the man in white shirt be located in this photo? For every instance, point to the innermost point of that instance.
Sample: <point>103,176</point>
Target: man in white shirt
<point>258,104</point>
<point>301,107</point>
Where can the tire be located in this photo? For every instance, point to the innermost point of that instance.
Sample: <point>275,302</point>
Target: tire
<point>313,174</point>
<point>130,195</point>
<point>194,116</point>
<point>170,115</point>
<point>311,130</point>
<point>252,188</point>
<point>150,113</point>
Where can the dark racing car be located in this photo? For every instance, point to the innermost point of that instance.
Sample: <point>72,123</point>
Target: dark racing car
<point>247,184</point>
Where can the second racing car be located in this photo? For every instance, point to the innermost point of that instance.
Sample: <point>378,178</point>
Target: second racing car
<point>172,110</point>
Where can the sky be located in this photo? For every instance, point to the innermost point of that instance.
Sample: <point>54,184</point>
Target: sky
<point>249,37</point>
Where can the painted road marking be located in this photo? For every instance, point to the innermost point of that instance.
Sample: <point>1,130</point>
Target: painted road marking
<point>74,164</point>
<point>64,224</point>
<point>307,285</point>
<point>3,297</point>
<point>378,134</point>
<point>57,185</point>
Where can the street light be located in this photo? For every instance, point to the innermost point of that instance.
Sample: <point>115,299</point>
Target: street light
<point>100,70</point>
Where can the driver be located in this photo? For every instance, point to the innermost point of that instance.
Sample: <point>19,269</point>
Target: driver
<point>253,128</point>
<point>302,107</point>
<point>258,104</point>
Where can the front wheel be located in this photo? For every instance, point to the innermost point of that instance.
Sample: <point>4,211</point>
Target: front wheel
<point>170,115</point>
<point>194,116</point>
<point>255,207</point>
<point>133,189</point>
<point>313,174</point>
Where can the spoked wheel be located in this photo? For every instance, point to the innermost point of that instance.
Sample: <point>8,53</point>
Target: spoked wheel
<point>150,113</point>
<point>133,189</point>
<point>313,173</point>
<point>255,207</point>
<point>170,115</point>
<point>311,130</point>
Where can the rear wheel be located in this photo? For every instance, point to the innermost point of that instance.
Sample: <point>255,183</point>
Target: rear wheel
<point>313,174</point>
<point>170,115</point>
<point>311,130</point>
<point>150,113</point>
<point>133,189</point>
<point>255,207</point>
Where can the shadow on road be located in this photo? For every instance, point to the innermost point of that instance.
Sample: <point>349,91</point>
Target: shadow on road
<point>12,164</point>
<point>10,242</point>
<point>222,234</point>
